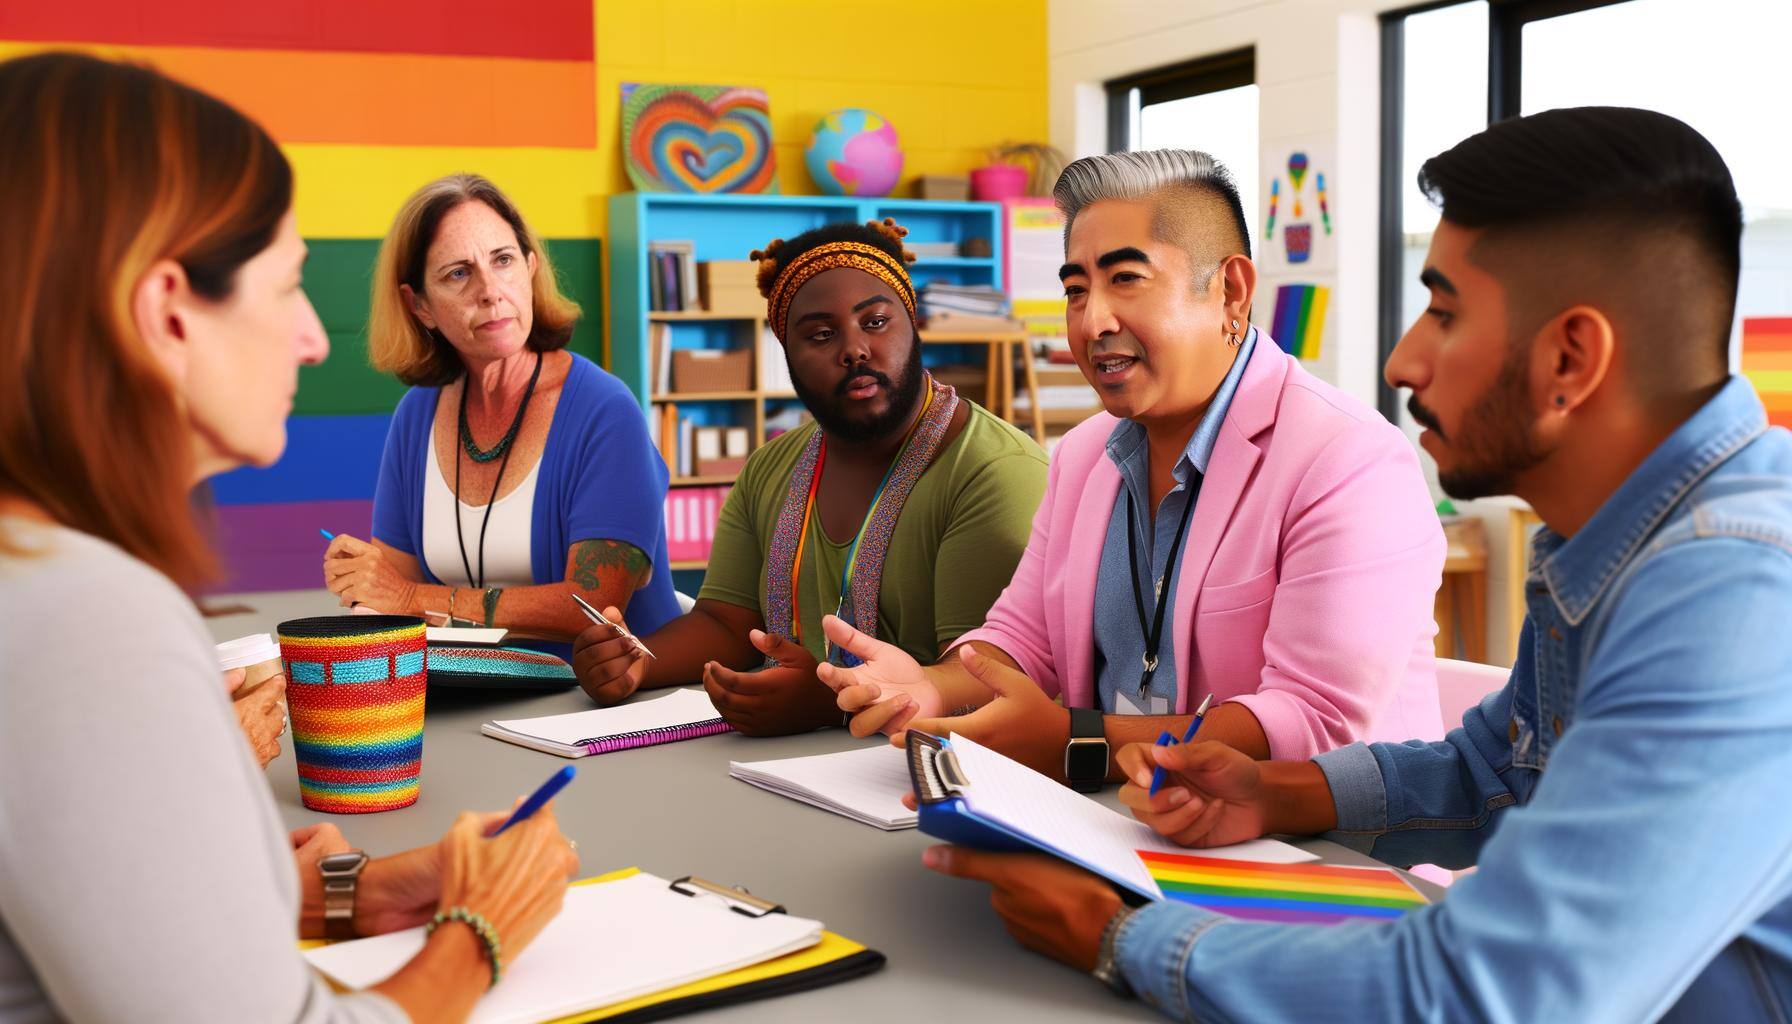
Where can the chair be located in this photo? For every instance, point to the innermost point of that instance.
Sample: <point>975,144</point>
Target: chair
<point>1462,684</point>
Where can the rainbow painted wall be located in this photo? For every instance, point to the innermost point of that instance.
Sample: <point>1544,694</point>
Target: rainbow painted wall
<point>371,100</point>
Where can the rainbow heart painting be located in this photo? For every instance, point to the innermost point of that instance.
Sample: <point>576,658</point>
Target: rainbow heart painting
<point>698,138</point>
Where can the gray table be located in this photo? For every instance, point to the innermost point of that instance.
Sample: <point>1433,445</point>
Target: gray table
<point>673,810</point>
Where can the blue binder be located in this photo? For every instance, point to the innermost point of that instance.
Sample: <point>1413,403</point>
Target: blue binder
<point>943,813</point>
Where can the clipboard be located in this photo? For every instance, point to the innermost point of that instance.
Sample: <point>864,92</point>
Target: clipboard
<point>833,959</point>
<point>943,813</point>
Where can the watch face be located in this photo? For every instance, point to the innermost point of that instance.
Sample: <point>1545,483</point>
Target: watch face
<point>1086,759</point>
<point>342,863</point>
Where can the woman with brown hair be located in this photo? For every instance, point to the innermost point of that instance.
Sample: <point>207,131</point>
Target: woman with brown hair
<point>153,328</point>
<point>515,472</point>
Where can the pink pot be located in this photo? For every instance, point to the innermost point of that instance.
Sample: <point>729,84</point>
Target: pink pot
<point>997,182</point>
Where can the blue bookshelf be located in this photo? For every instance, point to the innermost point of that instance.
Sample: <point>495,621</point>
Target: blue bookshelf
<point>728,227</point>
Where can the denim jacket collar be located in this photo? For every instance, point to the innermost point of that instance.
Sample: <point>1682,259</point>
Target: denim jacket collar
<point>1577,570</point>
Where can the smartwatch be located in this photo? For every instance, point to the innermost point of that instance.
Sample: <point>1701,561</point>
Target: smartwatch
<point>342,874</point>
<point>1086,755</point>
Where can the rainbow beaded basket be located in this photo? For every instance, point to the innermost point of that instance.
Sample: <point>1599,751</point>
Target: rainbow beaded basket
<point>355,685</point>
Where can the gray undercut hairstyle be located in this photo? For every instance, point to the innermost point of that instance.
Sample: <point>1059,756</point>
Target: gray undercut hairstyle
<point>1198,209</point>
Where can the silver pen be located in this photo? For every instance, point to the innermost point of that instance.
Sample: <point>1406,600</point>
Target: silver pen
<point>598,617</point>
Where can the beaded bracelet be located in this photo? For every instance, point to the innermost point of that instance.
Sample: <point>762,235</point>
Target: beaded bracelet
<point>488,936</point>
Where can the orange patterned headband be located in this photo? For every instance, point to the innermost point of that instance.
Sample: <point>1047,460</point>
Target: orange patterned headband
<point>828,256</point>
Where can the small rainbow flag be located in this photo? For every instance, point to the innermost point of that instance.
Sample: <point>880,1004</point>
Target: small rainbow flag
<point>1286,893</point>
<point>1767,363</point>
<point>1299,323</point>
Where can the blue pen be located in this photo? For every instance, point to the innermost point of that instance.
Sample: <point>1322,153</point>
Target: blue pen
<point>1164,740</point>
<point>556,782</point>
<point>327,534</point>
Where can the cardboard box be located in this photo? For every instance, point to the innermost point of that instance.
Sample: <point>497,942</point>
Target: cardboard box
<point>943,186</point>
<point>712,369</point>
<point>730,287</point>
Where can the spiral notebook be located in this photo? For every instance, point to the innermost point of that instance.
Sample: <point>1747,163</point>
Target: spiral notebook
<point>680,715</point>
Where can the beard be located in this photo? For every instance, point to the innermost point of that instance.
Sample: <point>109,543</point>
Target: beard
<point>1493,443</point>
<point>829,406</point>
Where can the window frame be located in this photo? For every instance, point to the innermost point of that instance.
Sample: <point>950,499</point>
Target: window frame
<point>1130,94</point>
<point>1506,20</point>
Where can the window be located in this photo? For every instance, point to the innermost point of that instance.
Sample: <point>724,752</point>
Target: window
<point>1714,64</point>
<point>1209,104</point>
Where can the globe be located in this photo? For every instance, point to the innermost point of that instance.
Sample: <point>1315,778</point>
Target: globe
<point>854,153</point>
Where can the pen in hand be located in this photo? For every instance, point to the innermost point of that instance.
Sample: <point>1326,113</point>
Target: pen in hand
<point>598,617</point>
<point>1165,739</point>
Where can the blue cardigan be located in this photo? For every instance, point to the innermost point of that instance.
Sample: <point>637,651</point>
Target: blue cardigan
<point>600,478</point>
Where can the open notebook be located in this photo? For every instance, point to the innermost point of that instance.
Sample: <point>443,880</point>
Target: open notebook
<point>973,795</point>
<point>680,715</point>
<point>610,943</point>
<point>865,785</point>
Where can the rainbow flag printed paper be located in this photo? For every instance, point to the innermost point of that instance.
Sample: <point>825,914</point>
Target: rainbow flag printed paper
<point>1767,363</point>
<point>1285,893</point>
<point>1299,322</point>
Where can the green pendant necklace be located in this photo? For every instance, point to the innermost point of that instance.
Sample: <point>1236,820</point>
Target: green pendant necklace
<point>466,431</point>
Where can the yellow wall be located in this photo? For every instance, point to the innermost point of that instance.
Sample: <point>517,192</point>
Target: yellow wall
<point>955,76</point>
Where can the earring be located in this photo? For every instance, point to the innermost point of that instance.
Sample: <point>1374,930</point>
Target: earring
<point>1561,400</point>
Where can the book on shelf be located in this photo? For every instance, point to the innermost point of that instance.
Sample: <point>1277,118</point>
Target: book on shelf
<point>932,250</point>
<point>774,369</point>
<point>691,517</point>
<point>976,300</point>
<point>672,279</point>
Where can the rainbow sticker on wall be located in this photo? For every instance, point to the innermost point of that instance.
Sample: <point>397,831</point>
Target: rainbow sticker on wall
<point>1285,893</point>
<point>1299,322</point>
<point>1767,363</point>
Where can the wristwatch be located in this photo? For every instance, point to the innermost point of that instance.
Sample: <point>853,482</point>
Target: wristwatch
<point>342,874</point>
<point>1107,962</point>
<point>1086,755</point>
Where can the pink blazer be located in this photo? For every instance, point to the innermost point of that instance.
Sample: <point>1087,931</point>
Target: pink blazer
<point>1307,581</point>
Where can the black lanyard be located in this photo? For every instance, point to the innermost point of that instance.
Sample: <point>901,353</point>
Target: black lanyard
<point>515,427</point>
<point>1154,634</point>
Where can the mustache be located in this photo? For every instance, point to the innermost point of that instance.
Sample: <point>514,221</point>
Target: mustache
<point>862,373</point>
<point>1425,417</point>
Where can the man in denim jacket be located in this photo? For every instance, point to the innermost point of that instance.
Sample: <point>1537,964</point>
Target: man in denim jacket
<point>1624,794</point>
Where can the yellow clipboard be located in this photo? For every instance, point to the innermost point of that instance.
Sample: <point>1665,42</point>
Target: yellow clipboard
<point>831,949</point>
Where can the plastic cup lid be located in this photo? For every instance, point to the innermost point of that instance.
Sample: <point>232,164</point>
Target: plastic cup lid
<point>247,650</point>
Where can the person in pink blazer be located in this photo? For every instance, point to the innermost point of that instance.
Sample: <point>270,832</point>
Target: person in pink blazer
<point>1286,525</point>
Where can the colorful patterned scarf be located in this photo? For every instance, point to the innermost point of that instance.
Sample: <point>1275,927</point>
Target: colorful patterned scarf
<point>860,609</point>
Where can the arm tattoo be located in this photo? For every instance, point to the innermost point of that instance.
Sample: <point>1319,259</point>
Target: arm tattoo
<point>595,562</point>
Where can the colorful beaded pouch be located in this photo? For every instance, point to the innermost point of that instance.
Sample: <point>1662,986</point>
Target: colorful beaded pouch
<point>354,686</point>
<point>506,668</point>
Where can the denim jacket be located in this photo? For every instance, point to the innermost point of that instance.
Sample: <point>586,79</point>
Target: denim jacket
<point>1624,795</point>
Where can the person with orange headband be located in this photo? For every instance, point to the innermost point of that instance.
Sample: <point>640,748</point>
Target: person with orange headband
<point>854,515</point>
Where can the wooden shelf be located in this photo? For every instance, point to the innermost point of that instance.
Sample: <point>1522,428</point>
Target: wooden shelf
<point>688,565</point>
<point>672,316</point>
<point>973,337</point>
<point>708,396</point>
<point>701,481</point>
<point>780,396</point>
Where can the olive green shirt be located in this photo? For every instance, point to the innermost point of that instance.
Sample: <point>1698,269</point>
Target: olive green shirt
<point>960,535</point>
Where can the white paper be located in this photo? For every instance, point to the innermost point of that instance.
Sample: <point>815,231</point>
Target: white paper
<point>679,708</point>
<point>1076,827</point>
<point>865,785</point>
<point>464,635</point>
<point>612,941</point>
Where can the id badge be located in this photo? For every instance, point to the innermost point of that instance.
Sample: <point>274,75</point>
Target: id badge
<point>1125,704</point>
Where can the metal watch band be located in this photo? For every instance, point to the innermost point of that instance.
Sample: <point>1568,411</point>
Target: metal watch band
<point>1107,960</point>
<point>341,877</point>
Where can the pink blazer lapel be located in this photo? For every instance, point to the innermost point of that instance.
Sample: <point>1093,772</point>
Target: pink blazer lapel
<point>1075,641</point>
<point>1235,457</point>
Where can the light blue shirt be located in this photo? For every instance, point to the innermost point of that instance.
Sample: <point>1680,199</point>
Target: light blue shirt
<point>1624,795</point>
<point>1119,643</point>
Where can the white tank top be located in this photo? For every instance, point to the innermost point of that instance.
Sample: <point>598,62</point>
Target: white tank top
<point>507,539</point>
